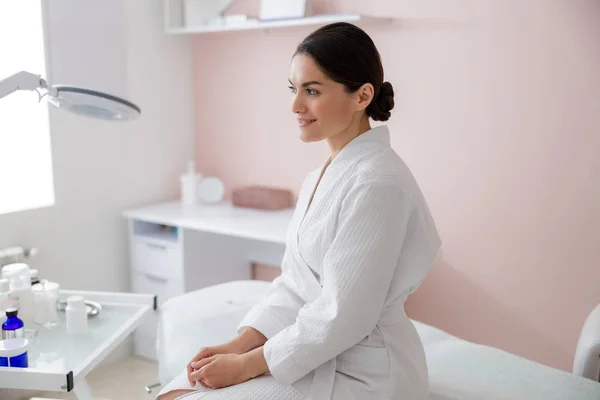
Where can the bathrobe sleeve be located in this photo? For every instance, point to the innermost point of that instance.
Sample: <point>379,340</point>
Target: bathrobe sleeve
<point>356,275</point>
<point>277,310</point>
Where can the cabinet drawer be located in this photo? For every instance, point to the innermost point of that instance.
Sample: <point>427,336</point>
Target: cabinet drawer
<point>157,258</point>
<point>164,289</point>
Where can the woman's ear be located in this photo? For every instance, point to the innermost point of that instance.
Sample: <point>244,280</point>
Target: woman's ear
<point>365,95</point>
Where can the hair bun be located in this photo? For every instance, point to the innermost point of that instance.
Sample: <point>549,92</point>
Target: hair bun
<point>380,107</point>
<point>387,93</point>
<point>386,97</point>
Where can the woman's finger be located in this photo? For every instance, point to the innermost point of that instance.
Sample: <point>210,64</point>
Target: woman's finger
<point>201,382</point>
<point>199,367</point>
<point>193,379</point>
<point>189,374</point>
<point>202,363</point>
<point>203,353</point>
<point>196,375</point>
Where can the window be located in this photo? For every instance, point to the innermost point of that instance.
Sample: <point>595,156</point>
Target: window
<point>26,179</point>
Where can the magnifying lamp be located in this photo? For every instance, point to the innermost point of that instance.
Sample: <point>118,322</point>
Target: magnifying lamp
<point>85,102</point>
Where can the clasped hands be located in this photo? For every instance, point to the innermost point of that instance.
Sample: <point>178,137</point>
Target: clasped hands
<point>228,364</point>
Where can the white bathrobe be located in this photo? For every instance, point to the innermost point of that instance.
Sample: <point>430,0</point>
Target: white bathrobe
<point>335,318</point>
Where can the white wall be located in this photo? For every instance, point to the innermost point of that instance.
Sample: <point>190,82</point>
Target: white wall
<point>102,168</point>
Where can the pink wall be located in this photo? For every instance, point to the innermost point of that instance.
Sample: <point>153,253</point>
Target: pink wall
<point>498,115</point>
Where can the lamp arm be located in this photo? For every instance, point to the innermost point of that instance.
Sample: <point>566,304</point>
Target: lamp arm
<point>86,102</point>
<point>21,81</point>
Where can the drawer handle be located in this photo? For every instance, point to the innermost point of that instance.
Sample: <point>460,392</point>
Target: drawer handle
<point>156,278</point>
<point>156,246</point>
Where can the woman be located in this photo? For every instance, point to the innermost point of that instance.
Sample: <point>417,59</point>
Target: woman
<point>361,240</point>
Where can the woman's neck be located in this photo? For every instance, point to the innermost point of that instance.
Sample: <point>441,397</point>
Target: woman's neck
<point>339,141</point>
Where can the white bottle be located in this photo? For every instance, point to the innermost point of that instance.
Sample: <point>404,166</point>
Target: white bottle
<point>76,315</point>
<point>4,298</point>
<point>5,295</point>
<point>189,185</point>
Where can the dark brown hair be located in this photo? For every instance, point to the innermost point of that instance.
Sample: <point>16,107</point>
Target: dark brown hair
<point>346,54</point>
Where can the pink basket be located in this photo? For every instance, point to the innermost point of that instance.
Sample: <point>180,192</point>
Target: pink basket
<point>262,198</point>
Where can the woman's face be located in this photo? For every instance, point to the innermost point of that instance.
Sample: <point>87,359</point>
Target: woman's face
<point>322,106</point>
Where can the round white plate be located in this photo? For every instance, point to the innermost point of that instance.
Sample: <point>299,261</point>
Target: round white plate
<point>211,189</point>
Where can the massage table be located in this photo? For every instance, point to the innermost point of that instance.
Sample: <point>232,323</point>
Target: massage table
<point>458,369</point>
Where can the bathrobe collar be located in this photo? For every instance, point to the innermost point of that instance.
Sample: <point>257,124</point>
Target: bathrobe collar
<point>379,135</point>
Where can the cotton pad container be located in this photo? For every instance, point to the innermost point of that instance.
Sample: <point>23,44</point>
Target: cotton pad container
<point>13,353</point>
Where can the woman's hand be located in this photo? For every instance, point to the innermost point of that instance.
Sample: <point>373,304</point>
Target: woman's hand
<point>220,370</point>
<point>207,352</point>
<point>224,370</point>
<point>249,339</point>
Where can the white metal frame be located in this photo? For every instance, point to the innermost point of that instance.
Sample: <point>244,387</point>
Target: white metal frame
<point>21,81</point>
<point>66,381</point>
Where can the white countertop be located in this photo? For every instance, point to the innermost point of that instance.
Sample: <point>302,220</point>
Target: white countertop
<point>224,218</point>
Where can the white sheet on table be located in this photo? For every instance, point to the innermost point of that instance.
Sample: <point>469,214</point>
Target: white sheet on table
<point>461,370</point>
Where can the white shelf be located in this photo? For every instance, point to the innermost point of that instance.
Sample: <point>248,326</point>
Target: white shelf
<point>155,231</point>
<point>169,237</point>
<point>256,24</point>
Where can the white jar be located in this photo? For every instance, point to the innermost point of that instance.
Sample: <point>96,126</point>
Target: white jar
<point>20,290</point>
<point>76,315</point>
<point>45,300</point>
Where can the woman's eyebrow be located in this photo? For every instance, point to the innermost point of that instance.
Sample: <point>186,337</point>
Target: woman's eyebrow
<point>305,84</point>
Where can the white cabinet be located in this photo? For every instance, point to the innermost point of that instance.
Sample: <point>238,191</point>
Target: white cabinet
<point>156,267</point>
<point>157,259</point>
<point>163,289</point>
<point>176,249</point>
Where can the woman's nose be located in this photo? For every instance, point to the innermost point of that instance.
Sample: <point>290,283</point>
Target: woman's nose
<point>297,105</point>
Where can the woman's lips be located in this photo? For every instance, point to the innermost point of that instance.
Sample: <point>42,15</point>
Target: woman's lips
<point>304,122</point>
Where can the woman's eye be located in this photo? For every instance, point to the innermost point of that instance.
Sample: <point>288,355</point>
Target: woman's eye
<point>311,92</point>
<point>292,89</point>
